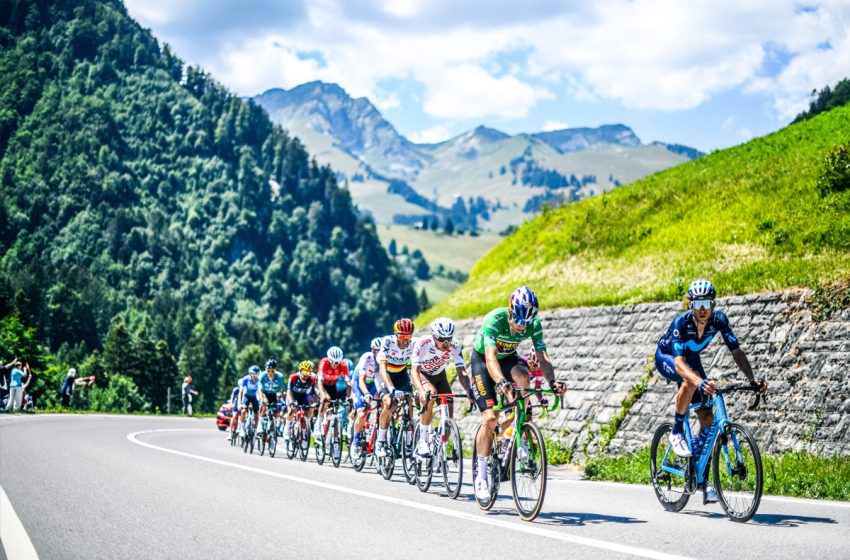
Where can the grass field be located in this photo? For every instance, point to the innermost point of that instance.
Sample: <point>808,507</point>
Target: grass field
<point>751,218</point>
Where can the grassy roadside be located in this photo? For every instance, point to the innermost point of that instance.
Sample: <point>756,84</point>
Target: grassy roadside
<point>797,474</point>
<point>61,410</point>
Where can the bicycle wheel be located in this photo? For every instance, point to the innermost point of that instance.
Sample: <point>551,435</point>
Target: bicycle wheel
<point>670,487</point>
<point>272,444</point>
<point>528,472</point>
<point>319,444</point>
<point>261,442</point>
<point>423,470</point>
<point>493,474</point>
<point>244,443</point>
<point>407,444</point>
<point>335,433</point>
<point>386,465</point>
<point>292,442</point>
<point>451,458</point>
<point>251,443</point>
<point>304,441</point>
<point>738,479</point>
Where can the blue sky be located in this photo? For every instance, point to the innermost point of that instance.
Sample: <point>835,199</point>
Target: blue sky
<point>708,74</point>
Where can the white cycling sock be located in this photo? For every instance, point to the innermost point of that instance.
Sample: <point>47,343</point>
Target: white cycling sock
<point>382,434</point>
<point>483,466</point>
<point>426,433</point>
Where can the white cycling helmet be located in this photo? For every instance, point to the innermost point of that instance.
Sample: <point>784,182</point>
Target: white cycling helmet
<point>442,327</point>
<point>376,343</point>
<point>335,355</point>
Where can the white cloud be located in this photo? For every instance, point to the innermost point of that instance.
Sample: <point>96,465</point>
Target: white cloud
<point>433,135</point>
<point>647,54</point>
<point>554,125</point>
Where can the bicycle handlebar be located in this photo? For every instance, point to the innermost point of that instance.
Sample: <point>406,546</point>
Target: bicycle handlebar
<point>736,387</point>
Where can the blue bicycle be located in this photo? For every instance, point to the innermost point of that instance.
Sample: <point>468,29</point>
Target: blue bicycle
<point>734,455</point>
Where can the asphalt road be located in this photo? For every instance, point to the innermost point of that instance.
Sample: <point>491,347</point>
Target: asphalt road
<point>148,487</point>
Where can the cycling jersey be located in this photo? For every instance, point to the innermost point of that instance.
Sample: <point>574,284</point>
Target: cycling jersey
<point>274,385</point>
<point>496,332</point>
<point>397,359</point>
<point>329,374</point>
<point>302,387</point>
<point>367,367</point>
<point>681,338</point>
<point>251,387</point>
<point>431,360</point>
<point>535,378</point>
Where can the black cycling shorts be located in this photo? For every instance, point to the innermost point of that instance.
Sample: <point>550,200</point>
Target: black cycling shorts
<point>436,383</point>
<point>482,385</point>
<point>333,394</point>
<point>271,398</point>
<point>401,382</point>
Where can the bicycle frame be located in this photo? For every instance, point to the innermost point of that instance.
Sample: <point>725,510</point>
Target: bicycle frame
<point>721,420</point>
<point>520,415</point>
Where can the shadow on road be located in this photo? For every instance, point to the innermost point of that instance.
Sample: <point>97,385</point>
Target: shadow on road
<point>565,519</point>
<point>769,519</point>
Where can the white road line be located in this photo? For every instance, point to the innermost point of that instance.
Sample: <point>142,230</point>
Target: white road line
<point>16,541</point>
<point>522,528</point>
<point>644,487</point>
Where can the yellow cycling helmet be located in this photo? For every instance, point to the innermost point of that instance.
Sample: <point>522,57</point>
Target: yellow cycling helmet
<point>306,365</point>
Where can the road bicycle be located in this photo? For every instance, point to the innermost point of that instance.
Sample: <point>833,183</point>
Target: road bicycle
<point>249,431</point>
<point>521,458</point>
<point>269,430</point>
<point>365,449</point>
<point>332,431</point>
<point>234,429</point>
<point>400,438</point>
<point>299,433</point>
<point>446,450</point>
<point>731,450</point>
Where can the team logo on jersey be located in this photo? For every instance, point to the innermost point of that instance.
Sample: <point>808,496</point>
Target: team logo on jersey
<point>506,347</point>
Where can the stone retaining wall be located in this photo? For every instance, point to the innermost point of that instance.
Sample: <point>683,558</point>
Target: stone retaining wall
<point>603,353</point>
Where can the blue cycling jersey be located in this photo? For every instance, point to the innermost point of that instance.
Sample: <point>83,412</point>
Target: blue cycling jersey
<point>234,394</point>
<point>681,338</point>
<point>276,384</point>
<point>251,387</point>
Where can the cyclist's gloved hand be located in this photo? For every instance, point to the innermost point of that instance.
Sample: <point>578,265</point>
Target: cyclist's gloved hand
<point>558,386</point>
<point>759,383</point>
<point>367,398</point>
<point>706,387</point>
<point>503,387</point>
<point>398,394</point>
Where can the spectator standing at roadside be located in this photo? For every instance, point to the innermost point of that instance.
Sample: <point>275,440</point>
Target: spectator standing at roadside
<point>68,386</point>
<point>17,385</point>
<point>4,377</point>
<point>187,395</point>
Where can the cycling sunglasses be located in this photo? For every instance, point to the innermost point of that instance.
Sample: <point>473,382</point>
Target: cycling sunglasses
<point>702,304</point>
<point>442,340</point>
<point>403,337</point>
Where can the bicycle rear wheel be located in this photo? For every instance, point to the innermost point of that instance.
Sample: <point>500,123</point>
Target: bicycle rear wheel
<point>335,433</point>
<point>304,441</point>
<point>738,479</point>
<point>319,444</point>
<point>670,487</point>
<point>493,474</point>
<point>386,465</point>
<point>261,442</point>
<point>452,460</point>
<point>272,444</point>
<point>528,472</point>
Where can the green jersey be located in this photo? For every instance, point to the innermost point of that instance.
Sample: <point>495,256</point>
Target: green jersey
<point>497,332</point>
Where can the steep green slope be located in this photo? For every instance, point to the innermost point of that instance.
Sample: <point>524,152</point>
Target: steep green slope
<point>750,218</point>
<point>139,197</point>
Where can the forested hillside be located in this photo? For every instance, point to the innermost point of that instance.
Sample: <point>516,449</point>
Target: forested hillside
<point>148,217</point>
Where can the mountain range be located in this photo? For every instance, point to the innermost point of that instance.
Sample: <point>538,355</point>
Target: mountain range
<point>499,178</point>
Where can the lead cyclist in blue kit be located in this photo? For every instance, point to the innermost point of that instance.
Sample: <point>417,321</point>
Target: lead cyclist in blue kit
<point>677,359</point>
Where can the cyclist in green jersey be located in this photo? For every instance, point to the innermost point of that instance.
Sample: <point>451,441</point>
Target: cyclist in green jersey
<point>495,368</point>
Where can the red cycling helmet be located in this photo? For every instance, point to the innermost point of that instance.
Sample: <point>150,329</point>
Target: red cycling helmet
<point>533,362</point>
<point>404,327</point>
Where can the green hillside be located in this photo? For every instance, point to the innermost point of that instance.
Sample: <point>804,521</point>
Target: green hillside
<point>751,218</point>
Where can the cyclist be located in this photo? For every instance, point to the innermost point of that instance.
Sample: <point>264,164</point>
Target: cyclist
<point>495,367</point>
<point>430,356</point>
<point>331,370</point>
<point>363,388</point>
<point>271,385</point>
<point>393,361</point>
<point>346,385</point>
<point>677,359</point>
<point>248,387</point>
<point>235,423</point>
<point>300,391</point>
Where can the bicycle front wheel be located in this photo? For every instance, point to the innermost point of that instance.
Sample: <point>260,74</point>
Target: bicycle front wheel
<point>261,443</point>
<point>422,467</point>
<point>668,471</point>
<point>528,472</point>
<point>335,433</point>
<point>738,477</point>
<point>292,442</point>
<point>319,444</point>
<point>494,474</point>
<point>452,460</point>
<point>272,444</point>
<point>408,445</point>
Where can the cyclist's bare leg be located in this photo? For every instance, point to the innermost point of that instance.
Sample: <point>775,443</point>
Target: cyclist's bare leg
<point>386,412</point>
<point>686,392</point>
<point>484,441</point>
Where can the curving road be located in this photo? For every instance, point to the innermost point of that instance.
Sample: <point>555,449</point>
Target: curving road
<point>153,487</point>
